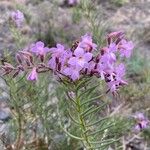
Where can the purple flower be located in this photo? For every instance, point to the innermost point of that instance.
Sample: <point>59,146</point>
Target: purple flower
<point>139,116</point>
<point>57,51</point>
<point>33,76</point>
<point>18,17</point>
<point>73,65</point>
<point>113,47</point>
<point>87,43</point>
<point>90,67</point>
<point>72,2</point>
<point>72,72</point>
<point>141,122</point>
<point>52,63</point>
<point>120,72</point>
<point>126,48</point>
<point>106,66</point>
<point>101,70</point>
<point>80,59</point>
<point>117,34</point>
<point>113,86</point>
<point>115,79</point>
<point>108,58</point>
<point>59,59</point>
<point>39,49</point>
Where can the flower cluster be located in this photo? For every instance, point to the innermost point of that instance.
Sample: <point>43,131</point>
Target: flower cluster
<point>84,58</point>
<point>141,122</point>
<point>17,17</point>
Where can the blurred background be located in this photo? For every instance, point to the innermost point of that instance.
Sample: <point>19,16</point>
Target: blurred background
<point>58,21</point>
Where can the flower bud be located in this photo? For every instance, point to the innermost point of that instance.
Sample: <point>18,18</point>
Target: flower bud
<point>18,58</point>
<point>33,76</point>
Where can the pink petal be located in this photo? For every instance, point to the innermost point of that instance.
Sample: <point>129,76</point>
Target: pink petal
<point>39,44</point>
<point>81,63</point>
<point>67,71</point>
<point>46,49</point>
<point>79,52</point>
<point>88,56</point>
<point>59,46</point>
<point>33,76</point>
<point>137,128</point>
<point>52,63</point>
<point>75,75</point>
<point>72,61</point>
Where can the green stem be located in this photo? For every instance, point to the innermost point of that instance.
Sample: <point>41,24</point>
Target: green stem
<point>19,118</point>
<point>83,124</point>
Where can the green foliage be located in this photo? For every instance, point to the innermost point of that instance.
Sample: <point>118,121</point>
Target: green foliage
<point>139,87</point>
<point>122,126</point>
<point>17,36</point>
<point>84,110</point>
<point>146,134</point>
<point>136,64</point>
<point>119,2</point>
<point>91,14</point>
<point>32,106</point>
<point>77,15</point>
<point>25,11</point>
<point>47,38</point>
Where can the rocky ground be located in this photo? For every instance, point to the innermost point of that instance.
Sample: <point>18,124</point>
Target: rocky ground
<point>132,17</point>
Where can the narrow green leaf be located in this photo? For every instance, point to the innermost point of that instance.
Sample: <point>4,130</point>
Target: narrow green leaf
<point>71,135</point>
<point>64,87</point>
<point>87,110</point>
<point>92,111</point>
<point>82,83</point>
<point>86,130</point>
<point>73,118</point>
<point>101,130</point>
<point>103,145</point>
<point>20,78</point>
<point>92,99</point>
<point>20,88</point>
<point>102,119</point>
<point>71,98</point>
<point>88,91</point>
<point>103,141</point>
